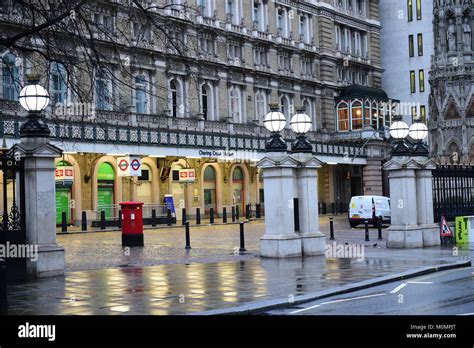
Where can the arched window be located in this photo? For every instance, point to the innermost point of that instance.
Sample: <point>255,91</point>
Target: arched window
<point>454,153</point>
<point>103,90</point>
<point>141,104</point>
<point>260,106</point>
<point>207,101</point>
<point>356,111</point>
<point>285,106</point>
<point>375,116</point>
<point>58,83</point>
<point>367,115</point>
<point>176,98</point>
<point>342,117</point>
<point>235,105</point>
<point>309,110</point>
<point>10,73</point>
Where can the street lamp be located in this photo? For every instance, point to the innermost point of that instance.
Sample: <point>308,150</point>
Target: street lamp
<point>301,124</point>
<point>419,131</point>
<point>275,122</point>
<point>399,131</point>
<point>34,99</point>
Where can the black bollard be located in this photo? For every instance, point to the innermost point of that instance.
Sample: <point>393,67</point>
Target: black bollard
<point>198,216</point>
<point>242,237</point>
<point>333,208</point>
<point>211,215</point>
<point>63,222</point>
<point>169,220</point>
<point>296,214</point>
<point>224,215</point>
<point>119,219</point>
<point>325,208</point>
<point>188,238</point>
<point>237,212</point>
<point>153,218</point>
<point>247,211</point>
<point>103,223</point>
<point>233,213</point>
<point>3,288</point>
<point>184,216</point>
<point>380,227</point>
<point>84,221</point>
<point>331,228</point>
<point>367,239</point>
<point>257,211</point>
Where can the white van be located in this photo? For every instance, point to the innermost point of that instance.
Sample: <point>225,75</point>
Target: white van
<point>369,208</point>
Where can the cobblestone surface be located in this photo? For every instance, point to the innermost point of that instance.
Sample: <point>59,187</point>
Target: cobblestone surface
<point>163,278</point>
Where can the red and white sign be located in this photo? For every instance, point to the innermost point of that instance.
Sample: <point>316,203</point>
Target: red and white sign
<point>187,176</point>
<point>129,166</point>
<point>64,173</point>
<point>445,230</point>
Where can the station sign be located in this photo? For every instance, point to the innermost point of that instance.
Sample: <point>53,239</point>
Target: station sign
<point>129,166</point>
<point>187,176</point>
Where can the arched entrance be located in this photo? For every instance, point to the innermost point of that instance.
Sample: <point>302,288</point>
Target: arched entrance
<point>177,190</point>
<point>238,188</point>
<point>64,179</point>
<point>209,184</point>
<point>105,189</point>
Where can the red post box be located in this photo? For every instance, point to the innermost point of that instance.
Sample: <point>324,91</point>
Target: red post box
<point>132,223</point>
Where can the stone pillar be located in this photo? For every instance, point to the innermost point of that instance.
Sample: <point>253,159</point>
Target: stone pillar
<point>280,239</point>
<point>312,240</point>
<point>424,197</point>
<point>404,231</point>
<point>40,206</point>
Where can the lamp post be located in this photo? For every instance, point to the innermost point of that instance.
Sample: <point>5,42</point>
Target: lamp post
<point>419,131</point>
<point>34,99</point>
<point>399,131</point>
<point>275,122</point>
<point>301,124</point>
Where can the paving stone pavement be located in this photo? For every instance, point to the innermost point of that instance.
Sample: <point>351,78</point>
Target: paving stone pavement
<point>162,278</point>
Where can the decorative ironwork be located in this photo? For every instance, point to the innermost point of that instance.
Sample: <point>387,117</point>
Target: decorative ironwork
<point>453,191</point>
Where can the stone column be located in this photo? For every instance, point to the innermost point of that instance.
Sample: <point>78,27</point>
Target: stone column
<point>312,240</point>
<point>40,206</point>
<point>424,197</point>
<point>404,231</point>
<point>280,239</point>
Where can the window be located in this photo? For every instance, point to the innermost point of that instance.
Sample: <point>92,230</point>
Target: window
<point>418,10</point>
<point>420,44</point>
<point>10,72</point>
<point>413,113</point>
<point>260,106</point>
<point>421,77</point>
<point>356,115</point>
<point>260,55</point>
<point>141,105</point>
<point>304,28</point>
<point>412,81</point>
<point>175,98</point>
<point>207,101</point>
<point>259,15</point>
<point>343,117</point>
<point>337,38</point>
<point>410,10</point>
<point>103,90</point>
<point>423,113</point>
<point>361,7</point>
<point>235,104</point>
<point>235,51</point>
<point>58,83</point>
<point>411,46</point>
<point>206,44</point>
<point>204,7</point>
<point>285,106</point>
<point>284,61</point>
<point>306,66</point>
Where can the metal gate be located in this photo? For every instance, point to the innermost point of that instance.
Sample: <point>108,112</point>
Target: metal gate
<point>13,235</point>
<point>453,191</point>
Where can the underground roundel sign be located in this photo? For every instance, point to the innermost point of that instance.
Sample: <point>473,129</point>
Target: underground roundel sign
<point>129,166</point>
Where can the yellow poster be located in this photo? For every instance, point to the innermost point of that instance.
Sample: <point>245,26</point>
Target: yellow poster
<point>462,230</point>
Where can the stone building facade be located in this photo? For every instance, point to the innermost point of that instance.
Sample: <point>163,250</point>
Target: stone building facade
<point>206,85</point>
<point>452,84</point>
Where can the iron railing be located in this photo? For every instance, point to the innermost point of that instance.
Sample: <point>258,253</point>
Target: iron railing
<point>453,191</point>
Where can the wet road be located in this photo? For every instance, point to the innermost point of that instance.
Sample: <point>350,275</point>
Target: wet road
<point>445,293</point>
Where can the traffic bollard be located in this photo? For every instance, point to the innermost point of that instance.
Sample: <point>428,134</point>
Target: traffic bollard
<point>169,220</point>
<point>188,238</point>
<point>237,212</point>
<point>198,216</point>
<point>296,214</point>
<point>233,213</point>
<point>380,227</point>
<point>367,239</point>
<point>331,228</point>
<point>63,222</point>
<point>242,237</point>
<point>247,212</point>
<point>224,215</point>
<point>211,215</point>
<point>257,211</point>
<point>84,221</point>
<point>102,220</point>
<point>153,218</point>
<point>120,219</point>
